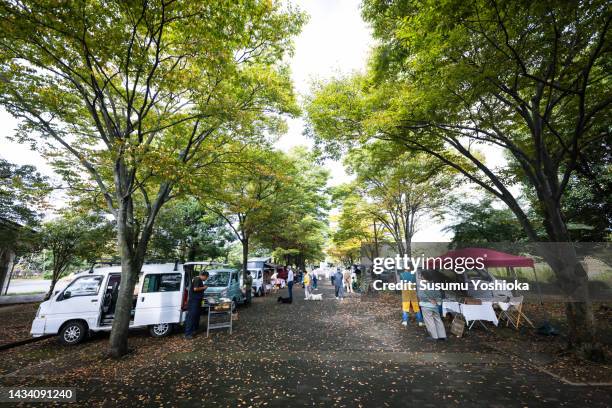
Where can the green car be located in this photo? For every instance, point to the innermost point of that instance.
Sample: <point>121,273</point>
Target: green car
<point>224,284</point>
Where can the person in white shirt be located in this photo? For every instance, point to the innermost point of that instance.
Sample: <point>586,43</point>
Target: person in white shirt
<point>290,282</point>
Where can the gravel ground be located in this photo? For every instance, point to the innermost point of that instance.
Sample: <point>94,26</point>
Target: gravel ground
<point>329,353</point>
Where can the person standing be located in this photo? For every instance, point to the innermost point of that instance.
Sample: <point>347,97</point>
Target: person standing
<point>430,299</point>
<point>248,286</point>
<point>314,280</point>
<point>348,285</point>
<point>290,282</point>
<point>307,286</point>
<point>339,284</point>
<point>194,304</point>
<point>409,299</point>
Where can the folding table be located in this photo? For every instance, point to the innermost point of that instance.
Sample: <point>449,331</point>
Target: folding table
<point>479,313</point>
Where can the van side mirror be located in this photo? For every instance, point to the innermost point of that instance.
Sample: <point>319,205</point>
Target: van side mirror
<point>67,295</point>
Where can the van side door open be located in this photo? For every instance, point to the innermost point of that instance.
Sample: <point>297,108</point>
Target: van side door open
<point>160,299</point>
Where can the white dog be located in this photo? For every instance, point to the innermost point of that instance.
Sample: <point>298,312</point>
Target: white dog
<point>316,297</point>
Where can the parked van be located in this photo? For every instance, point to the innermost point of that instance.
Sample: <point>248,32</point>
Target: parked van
<point>87,303</point>
<point>224,284</point>
<point>260,270</point>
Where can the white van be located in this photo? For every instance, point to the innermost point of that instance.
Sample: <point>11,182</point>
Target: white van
<point>260,270</point>
<point>88,303</point>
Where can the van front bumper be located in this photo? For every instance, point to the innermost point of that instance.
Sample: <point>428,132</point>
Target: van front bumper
<point>38,327</point>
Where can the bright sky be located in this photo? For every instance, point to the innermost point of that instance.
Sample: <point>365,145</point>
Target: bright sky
<point>335,40</point>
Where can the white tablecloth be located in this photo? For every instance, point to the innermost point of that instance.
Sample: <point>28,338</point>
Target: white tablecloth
<point>483,312</point>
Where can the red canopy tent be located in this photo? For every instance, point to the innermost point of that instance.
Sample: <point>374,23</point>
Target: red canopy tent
<point>492,259</point>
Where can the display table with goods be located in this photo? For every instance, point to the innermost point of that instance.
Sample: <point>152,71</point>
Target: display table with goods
<point>472,310</point>
<point>219,315</point>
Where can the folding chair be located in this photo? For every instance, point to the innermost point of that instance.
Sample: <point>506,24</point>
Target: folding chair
<point>514,313</point>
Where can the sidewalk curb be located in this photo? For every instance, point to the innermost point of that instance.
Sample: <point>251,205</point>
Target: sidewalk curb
<point>17,299</point>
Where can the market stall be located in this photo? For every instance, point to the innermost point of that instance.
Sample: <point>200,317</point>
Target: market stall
<point>509,306</point>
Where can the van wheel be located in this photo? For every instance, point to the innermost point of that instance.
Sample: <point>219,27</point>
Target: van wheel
<point>234,305</point>
<point>72,333</point>
<point>160,330</point>
<point>261,292</point>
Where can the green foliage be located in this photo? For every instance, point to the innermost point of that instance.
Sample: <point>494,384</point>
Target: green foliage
<point>143,95</point>
<point>587,203</point>
<point>300,216</point>
<point>481,223</point>
<point>184,230</point>
<point>271,200</point>
<point>401,187</point>
<point>530,78</point>
<point>23,191</point>
<point>72,239</point>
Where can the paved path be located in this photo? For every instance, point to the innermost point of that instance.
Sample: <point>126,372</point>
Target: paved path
<point>28,285</point>
<point>329,353</point>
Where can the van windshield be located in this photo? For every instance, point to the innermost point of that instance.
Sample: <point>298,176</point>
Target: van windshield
<point>218,279</point>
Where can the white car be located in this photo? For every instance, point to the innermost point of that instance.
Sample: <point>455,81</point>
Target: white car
<point>88,303</point>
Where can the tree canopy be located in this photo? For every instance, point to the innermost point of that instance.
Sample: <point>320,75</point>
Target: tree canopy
<point>271,199</point>
<point>72,239</point>
<point>142,96</point>
<point>531,79</point>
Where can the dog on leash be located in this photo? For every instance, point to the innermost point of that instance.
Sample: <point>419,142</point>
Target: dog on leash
<point>316,297</point>
<point>284,300</point>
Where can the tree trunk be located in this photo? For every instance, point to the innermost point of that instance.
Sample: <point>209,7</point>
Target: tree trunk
<point>561,255</point>
<point>7,256</point>
<point>52,287</point>
<point>191,253</point>
<point>376,253</point>
<point>131,263</point>
<point>245,256</point>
